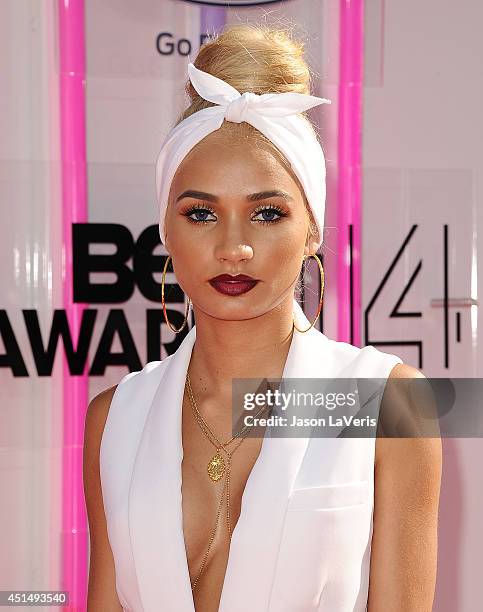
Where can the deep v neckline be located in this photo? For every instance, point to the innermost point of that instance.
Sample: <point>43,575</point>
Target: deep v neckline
<point>155,499</point>
<point>246,493</point>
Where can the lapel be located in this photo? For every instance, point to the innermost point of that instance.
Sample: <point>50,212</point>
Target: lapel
<point>155,503</point>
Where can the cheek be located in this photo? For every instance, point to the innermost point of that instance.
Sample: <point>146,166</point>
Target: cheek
<point>281,260</point>
<point>290,240</point>
<point>189,258</point>
<point>192,264</point>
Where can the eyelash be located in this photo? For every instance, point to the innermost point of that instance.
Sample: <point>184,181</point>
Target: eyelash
<point>196,208</point>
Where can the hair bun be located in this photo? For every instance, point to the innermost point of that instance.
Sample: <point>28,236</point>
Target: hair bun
<point>253,58</point>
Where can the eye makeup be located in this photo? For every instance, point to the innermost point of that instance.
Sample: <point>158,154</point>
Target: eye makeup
<point>203,209</point>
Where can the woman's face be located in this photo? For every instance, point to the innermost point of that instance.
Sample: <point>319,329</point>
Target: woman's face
<point>233,225</point>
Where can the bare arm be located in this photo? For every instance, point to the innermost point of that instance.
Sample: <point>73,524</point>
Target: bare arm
<point>102,595</point>
<point>404,543</point>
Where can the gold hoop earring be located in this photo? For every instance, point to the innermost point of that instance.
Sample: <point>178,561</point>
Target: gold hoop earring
<point>322,279</point>
<point>188,303</point>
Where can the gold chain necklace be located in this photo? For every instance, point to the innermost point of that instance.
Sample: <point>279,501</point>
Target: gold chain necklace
<point>216,469</point>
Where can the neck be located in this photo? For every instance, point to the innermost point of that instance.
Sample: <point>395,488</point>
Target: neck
<point>252,348</point>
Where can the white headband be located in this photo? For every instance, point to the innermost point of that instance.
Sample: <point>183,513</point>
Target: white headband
<point>273,114</point>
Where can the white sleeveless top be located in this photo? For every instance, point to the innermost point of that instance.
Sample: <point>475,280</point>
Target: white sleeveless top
<point>303,539</point>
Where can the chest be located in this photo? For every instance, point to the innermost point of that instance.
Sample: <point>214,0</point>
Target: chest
<point>208,518</point>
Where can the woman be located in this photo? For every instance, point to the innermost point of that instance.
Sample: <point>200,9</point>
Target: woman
<point>297,532</point>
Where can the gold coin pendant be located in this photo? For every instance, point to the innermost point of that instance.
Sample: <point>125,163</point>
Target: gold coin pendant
<point>216,467</point>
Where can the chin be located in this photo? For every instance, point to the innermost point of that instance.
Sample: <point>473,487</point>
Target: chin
<point>231,309</point>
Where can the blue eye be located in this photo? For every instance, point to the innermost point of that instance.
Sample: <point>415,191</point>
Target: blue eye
<point>198,210</point>
<point>201,213</point>
<point>270,210</point>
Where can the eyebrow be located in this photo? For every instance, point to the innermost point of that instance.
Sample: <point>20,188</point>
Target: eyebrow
<point>252,197</point>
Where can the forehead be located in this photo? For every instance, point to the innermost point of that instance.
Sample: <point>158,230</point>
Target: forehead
<point>224,161</point>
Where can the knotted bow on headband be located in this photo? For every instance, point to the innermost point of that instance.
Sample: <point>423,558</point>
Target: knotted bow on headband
<point>274,114</point>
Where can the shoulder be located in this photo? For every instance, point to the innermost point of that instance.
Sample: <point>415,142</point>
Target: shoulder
<point>407,403</point>
<point>404,370</point>
<point>95,421</point>
<point>409,449</point>
<point>98,409</point>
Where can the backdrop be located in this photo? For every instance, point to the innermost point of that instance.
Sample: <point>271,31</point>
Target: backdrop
<point>88,92</point>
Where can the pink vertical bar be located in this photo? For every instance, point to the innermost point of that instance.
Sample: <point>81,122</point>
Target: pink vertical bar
<point>74,210</point>
<point>349,169</point>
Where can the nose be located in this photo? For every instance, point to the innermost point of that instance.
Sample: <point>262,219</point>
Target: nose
<point>232,242</point>
<point>234,253</point>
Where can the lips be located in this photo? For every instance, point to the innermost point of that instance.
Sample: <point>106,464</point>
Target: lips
<point>233,285</point>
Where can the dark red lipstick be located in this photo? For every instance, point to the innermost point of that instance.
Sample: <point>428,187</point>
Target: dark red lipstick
<point>233,285</point>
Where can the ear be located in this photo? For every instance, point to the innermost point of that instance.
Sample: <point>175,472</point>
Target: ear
<point>166,243</point>
<point>311,246</point>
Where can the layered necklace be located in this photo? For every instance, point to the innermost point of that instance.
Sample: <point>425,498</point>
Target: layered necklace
<point>217,467</point>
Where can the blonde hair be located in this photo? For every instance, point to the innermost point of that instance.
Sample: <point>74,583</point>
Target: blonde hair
<point>260,59</point>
